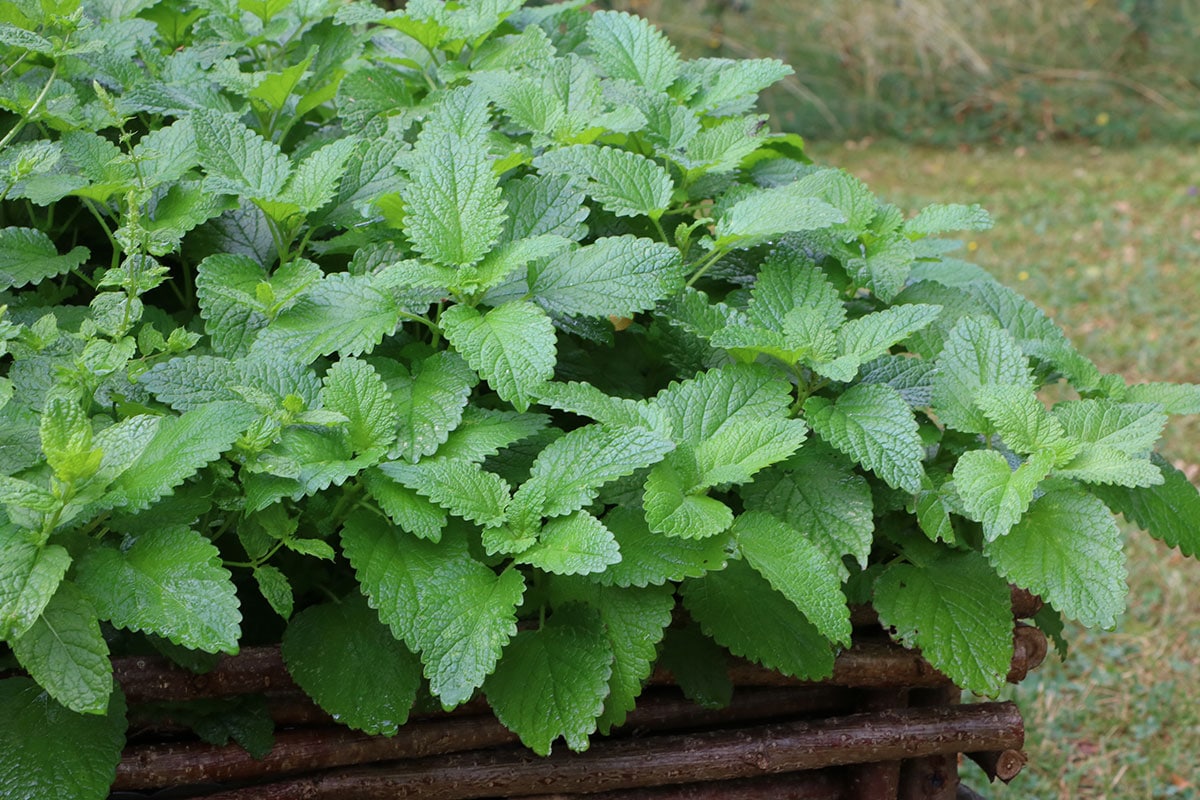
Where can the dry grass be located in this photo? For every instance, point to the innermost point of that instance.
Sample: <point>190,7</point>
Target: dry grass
<point>1109,244</point>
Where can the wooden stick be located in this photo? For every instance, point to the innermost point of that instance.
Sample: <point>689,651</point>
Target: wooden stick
<point>1025,605</point>
<point>931,777</point>
<point>1003,765</point>
<point>824,784</point>
<point>666,760</point>
<point>181,763</point>
<point>150,678</point>
<point>879,780</point>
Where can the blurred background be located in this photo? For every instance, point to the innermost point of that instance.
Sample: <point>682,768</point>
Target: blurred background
<point>1077,124</point>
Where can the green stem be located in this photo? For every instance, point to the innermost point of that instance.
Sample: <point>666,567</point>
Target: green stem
<point>112,239</point>
<point>427,323</point>
<point>662,233</point>
<point>8,137</point>
<point>706,265</point>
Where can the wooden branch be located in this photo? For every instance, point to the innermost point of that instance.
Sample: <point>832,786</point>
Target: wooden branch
<point>667,760</point>
<point>1029,651</point>
<point>932,777</point>
<point>1003,765</point>
<point>182,763</point>
<point>151,678</point>
<point>824,784</point>
<point>1025,605</point>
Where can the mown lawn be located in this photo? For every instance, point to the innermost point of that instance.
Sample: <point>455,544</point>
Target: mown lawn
<point>1108,243</point>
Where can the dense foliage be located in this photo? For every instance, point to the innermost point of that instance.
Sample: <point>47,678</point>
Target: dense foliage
<point>454,346</point>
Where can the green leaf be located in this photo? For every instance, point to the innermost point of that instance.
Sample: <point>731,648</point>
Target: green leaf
<point>884,266</point>
<point>675,503</point>
<point>625,183</point>
<point>169,582</point>
<point>616,276</point>
<point>52,752</point>
<point>1168,512</point>
<point>412,512</point>
<point>354,389</point>
<point>570,471</point>
<point>871,336</point>
<point>64,652</point>
<point>352,666</point>
<point>454,211</point>
<point>1129,428</point>
<point>66,434</point>
<point>1102,464</point>
<point>29,577</point>
<point>788,280</point>
<point>1024,423</point>
<point>703,407</point>
<point>978,354</point>
<point>461,487</point>
<point>275,589</point>
<point>957,611</point>
<point>740,450</point>
<point>797,569</point>
<point>586,400</point>
<point>723,147</point>
<point>237,160</point>
<point>275,88</point>
<point>993,492</point>
<point>315,179</point>
<point>698,666</point>
<point>1175,398</point>
<point>873,425</point>
<point>542,205</point>
<point>573,545</point>
<point>941,218</point>
<point>774,212</point>
<point>29,256</point>
<point>650,559</point>
<point>455,612</point>
<point>823,499</point>
<point>484,432</point>
<point>739,609</point>
<point>181,446</point>
<point>1068,550</point>
<point>226,289</point>
<point>513,346</point>
<point>629,47</point>
<point>634,623</point>
<point>431,402</point>
<point>343,313</point>
<point>17,493</point>
<point>552,682</point>
<point>727,85</point>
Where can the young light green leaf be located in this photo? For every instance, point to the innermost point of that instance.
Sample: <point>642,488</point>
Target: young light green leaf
<point>1175,398</point>
<point>273,90</point>
<point>315,179</point>
<point>570,471</point>
<point>1104,464</point>
<point>957,611</point>
<point>236,159</point>
<point>873,425</point>
<point>615,276</point>
<point>1129,428</point>
<point>453,610</point>
<point>740,610</point>
<point>342,313</point>
<point>823,499</point>
<point>977,354</point>
<point>650,559</point>
<point>629,47</point>
<point>431,401</point>
<point>995,494</point>
<point>722,148</point>
<point>577,544</point>
<point>65,653</point>
<point>728,86</point>
<point>1068,550</point>
<point>454,211</point>
<point>29,256</point>
<point>884,266</point>
<point>355,390</point>
<point>461,487</point>
<point>797,569</point>
<point>53,752</point>
<point>352,666</point>
<point>513,346</point>
<point>634,623</point>
<point>552,681</point>
<point>29,577</point>
<point>623,182</point>
<point>702,407</point>
<point>66,434</point>
<point>871,336</point>
<point>169,582</point>
<point>942,218</point>
<point>1168,511</point>
<point>181,446</point>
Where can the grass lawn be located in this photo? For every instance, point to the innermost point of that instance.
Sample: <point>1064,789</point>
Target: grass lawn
<point>1108,243</point>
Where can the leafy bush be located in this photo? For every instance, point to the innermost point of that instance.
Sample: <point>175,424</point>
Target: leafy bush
<point>450,346</point>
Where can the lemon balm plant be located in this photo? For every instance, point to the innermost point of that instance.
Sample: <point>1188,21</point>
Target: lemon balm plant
<point>455,346</point>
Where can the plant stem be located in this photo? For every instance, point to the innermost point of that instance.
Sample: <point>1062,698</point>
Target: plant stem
<point>706,265</point>
<point>8,137</point>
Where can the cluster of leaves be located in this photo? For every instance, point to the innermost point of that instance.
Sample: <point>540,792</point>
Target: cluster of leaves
<point>454,347</point>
